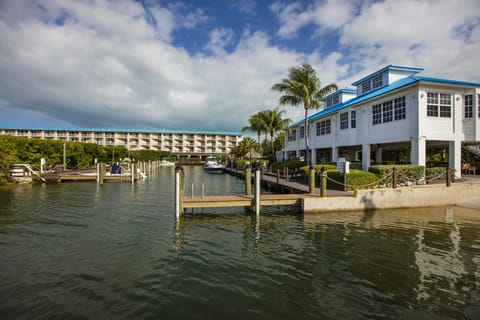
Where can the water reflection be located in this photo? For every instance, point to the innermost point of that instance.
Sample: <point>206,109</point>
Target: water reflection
<point>82,250</point>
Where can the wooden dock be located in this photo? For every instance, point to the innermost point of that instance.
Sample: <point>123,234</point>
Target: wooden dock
<point>243,201</point>
<point>74,176</point>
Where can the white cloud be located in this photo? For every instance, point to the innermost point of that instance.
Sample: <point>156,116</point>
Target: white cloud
<point>114,65</point>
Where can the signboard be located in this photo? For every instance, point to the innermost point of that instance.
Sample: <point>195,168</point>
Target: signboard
<point>343,165</point>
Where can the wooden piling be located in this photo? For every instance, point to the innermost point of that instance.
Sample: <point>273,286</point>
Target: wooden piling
<point>323,182</point>
<point>311,181</point>
<point>248,181</point>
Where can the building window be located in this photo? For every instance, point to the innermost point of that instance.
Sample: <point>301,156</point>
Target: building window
<point>344,120</point>
<point>336,100</point>
<point>353,119</point>
<point>387,111</point>
<point>323,127</point>
<point>302,132</point>
<point>366,86</point>
<point>468,106</point>
<point>399,108</point>
<point>292,136</point>
<point>377,113</point>
<point>439,104</point>
<point>478,105</point>
<point>445,105</point>
<point>328,103</point>
<point>377,82</point>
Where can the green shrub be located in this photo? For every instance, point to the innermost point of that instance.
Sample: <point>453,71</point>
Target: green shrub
<point>405,172</point>
<point>356,179</point>
<point>437,174</point>
<point>290,164</point>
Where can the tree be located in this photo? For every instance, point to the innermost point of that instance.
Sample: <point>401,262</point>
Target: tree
<point>303,86</point>
<point>273,123</point>
<point>246,146</point>
<point>257,124</point>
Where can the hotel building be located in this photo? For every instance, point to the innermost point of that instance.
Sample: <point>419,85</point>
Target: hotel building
<point>392,109</point>
<point>177,142</point>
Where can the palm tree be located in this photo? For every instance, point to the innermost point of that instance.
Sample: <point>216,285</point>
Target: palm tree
<point>274,122</point>
<point>246,146</point>
<point>303,86</point>
<point>257,124</point>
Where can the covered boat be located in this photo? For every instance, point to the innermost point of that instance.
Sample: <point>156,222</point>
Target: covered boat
<point>213,166</point>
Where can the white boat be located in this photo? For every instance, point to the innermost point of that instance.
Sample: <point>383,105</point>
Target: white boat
<point>212,166</point>
<point>165,163</point>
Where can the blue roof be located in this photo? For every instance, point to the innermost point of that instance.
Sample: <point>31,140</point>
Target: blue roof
<point>381,91</point>
<point>389,67</point>
<point>345,90</point>
<point>123,130</point>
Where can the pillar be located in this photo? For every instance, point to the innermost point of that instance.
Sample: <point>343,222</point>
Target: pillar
<point>455,157</point>
<point>365,156</point>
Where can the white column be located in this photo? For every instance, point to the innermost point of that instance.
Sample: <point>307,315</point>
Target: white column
<point>455,157</point>
<point>334,154</point>
<point>418,151</point>
<point>365,157</point>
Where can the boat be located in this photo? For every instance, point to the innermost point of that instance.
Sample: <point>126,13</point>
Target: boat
<point>212,166</point>
<point>165,163</point>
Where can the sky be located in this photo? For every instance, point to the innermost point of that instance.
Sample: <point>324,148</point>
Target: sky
<point>209,65</point>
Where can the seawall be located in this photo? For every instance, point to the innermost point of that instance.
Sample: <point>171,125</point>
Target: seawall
<point>412,197</point>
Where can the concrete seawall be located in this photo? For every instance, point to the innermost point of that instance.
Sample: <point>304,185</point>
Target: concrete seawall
<point>414,197</point>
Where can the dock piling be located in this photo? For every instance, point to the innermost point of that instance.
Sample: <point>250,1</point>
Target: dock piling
<point>257,191</point>
<point>248,181</point>
<point>179,174</point>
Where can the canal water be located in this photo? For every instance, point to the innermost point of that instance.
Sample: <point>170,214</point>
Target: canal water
<point>82,251</point>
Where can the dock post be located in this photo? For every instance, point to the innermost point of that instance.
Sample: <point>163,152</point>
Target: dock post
<point>101,168</point>
<point>133,171</point>
<point>277,188</point>
<point>311,180</point>
<point>323,182</point>
<point>257,191</point>
<point>248,181</point>
<point>179,174</point>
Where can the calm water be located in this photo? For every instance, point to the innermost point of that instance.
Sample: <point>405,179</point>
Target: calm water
<point>78,251</point>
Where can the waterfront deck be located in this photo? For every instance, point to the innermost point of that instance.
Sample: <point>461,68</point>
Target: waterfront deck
<point>75,176</point>
<point>243,201</point>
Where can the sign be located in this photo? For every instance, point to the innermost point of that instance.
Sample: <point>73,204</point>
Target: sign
<point>343,165</point>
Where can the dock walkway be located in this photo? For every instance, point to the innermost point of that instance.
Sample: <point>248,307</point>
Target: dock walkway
<point>244,201</point>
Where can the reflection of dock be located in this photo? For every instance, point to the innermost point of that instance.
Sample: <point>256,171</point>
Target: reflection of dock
<point>243,201</point>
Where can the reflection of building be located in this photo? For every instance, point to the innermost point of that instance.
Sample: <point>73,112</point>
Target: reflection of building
<point>175,141</point>
<point>394,110</point>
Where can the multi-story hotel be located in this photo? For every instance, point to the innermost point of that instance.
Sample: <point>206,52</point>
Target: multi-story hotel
<point>395,110</point>
<point>179,143</point>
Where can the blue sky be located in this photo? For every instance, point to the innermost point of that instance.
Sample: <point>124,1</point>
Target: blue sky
<point>209,65</point>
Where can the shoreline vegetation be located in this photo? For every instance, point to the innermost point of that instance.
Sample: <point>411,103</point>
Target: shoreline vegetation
<point>79,155</point>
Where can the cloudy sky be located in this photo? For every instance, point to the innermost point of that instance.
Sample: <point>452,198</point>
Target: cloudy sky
<point>210,64</point>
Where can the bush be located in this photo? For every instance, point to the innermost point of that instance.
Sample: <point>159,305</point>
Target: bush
<point>356,179</point>
<point>406,173</point>
<point>437,174</point>
<point>290,164</point>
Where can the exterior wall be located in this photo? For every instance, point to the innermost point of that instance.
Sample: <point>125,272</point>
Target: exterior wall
<point>174,142</point>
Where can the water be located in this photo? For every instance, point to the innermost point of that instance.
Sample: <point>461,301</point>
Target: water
<point>79,251</point>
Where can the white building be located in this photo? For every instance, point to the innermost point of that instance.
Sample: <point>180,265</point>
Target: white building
<point>179,143</point>
<point>392,109</point>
